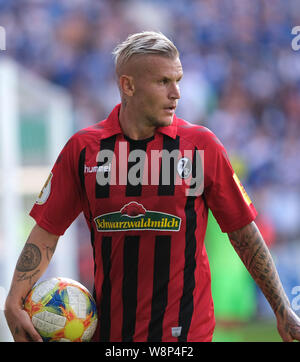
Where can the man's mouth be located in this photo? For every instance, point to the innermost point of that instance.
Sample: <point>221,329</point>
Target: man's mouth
<point>170,108</point>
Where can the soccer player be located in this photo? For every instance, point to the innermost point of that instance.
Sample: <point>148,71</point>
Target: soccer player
<point>145,180</point>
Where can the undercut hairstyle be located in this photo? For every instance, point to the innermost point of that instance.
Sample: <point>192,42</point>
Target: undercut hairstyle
<point>146,42</point>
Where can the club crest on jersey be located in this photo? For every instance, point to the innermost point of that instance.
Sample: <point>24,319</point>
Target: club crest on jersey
<point>184,167</point>
<point>133,216</point>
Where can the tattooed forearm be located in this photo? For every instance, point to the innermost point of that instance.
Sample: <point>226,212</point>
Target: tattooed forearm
<point>254,253</point>
<point>29,259</point>
<point>25,276</point>
<point>49,251</point>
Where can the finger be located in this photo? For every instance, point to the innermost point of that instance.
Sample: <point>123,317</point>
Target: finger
<point>20,335</point>
<point>31,333</point>
<point>285,335</point>
<point>296,335</point>
<point>287,338</point>
<point>34,337</point>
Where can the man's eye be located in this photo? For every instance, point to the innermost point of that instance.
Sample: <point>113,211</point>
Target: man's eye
<point>164,81</point>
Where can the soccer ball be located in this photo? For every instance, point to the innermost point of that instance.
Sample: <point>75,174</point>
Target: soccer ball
<point>62,310</point>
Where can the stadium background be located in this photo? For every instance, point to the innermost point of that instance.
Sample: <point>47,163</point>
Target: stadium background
<point>241,80</point>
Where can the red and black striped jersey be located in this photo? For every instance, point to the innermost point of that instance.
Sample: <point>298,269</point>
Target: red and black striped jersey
<point>146,204</point>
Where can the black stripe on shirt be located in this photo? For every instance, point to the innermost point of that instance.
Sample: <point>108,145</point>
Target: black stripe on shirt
<point>105,305</point>
<point>135,181</point>
<point>95,265</point>
<point>162,255</point>
<point>81,162</point>
<point>167,174</point>
<point>130,286</point>
<point>187,302</point>
<point>102,190</point>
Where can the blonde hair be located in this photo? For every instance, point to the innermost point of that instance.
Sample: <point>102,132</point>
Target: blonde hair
<point>146,42</point>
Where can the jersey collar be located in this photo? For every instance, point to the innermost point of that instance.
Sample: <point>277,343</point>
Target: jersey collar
<point>111,125</point>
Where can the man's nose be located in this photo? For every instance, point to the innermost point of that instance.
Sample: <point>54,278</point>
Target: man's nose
<point>174,91</point>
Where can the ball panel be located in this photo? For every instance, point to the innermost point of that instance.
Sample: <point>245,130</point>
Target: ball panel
<point>68,281</point>
<point>77,301</point>
<point>43,289</point>
<point>47,322</point>
<point>89,332</point>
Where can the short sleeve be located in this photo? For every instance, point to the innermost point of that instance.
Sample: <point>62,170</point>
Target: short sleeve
<point>223,191</point>
<point>59,202</point>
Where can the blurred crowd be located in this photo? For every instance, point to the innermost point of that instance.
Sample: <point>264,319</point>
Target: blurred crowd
<point>241,77</point>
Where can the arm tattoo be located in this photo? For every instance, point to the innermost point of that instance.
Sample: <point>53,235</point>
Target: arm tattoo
<point>49,251</point>
<point>29,259</point>
<point>254,253</point>
<point>29,277</point>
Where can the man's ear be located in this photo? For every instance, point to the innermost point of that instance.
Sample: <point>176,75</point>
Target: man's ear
<point>127,85</point>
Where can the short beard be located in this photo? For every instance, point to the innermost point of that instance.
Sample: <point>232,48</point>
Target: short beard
<point>156,123</point>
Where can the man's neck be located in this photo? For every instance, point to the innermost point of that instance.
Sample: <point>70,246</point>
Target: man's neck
<point>131,126</point>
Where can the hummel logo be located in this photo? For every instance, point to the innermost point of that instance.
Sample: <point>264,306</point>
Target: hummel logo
<point>92,169</point>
